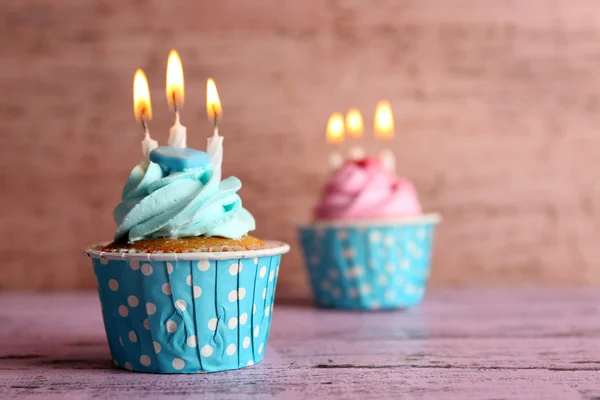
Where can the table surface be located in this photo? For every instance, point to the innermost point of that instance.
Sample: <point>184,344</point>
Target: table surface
<point>468,344</point>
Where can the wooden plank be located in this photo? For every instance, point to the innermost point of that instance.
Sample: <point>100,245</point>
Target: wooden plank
<point>496,107</point>
<point>473,344</point>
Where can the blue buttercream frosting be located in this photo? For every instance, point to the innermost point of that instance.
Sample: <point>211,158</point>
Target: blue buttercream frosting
<point>159,200</point>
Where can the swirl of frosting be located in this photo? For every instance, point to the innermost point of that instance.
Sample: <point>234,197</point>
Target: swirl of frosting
<point>366,190</point>
<point>180,204</point>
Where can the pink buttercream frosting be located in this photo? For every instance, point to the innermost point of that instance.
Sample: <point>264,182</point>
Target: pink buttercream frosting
<point>366,190</point>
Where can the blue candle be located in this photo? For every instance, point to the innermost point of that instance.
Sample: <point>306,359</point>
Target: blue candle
<point>177,159</point>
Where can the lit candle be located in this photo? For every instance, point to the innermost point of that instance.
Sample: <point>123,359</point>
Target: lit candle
<point>215,143</point>
<point>142,110</point>
<point>354,126</point>
<point>175,97</point>
<point>335,136</point>
<point>384,130</point>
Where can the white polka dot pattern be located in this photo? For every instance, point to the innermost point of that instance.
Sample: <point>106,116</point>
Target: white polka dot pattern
<point>207,351</point>
<point>147,269</point>
<point>113,284</point>
<point>203,265</point>
<point>212,324</point>
<point>197,291</point>
<point>145,360</point>
<point>192,341</point>
<point>157,347</point>
<point>365,289</point>
<point>181,305</point>
<point>166,289</point>
<point>233,295</point>
<point>123,311</point>
<point>368,267</point>
<point>389,241</point>
<point>235,268</point>
<point>150,308</point>
<point>162,305</point>
<point>178,364</point>
<point>132,301</point>
<point>171,326</point>
<point>231,349</point>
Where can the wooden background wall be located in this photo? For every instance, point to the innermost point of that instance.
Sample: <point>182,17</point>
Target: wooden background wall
<point>497,107</point>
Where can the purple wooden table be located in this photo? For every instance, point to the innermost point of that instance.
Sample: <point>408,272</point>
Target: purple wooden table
<point>527,344</point>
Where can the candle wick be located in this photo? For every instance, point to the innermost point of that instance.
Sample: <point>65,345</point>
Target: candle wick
<point>145,126</point>
<point>215,121</point>
<point>175,107</point>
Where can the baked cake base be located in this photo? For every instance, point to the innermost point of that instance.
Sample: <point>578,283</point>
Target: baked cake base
<point>186,245</point>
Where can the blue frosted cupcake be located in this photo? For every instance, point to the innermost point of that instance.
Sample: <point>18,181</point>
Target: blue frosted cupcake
<point>370,245</point>
<point>183,287</point>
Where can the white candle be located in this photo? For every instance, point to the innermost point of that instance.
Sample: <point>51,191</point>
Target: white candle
<point>384,130</point>
<point>356,153</point>
<point>214,148</point>
<point>388,160</point>
<point>175,98</point>
<point>142,109</point>
<point>148,144</point>
<point>335,136</point>
<point>335,160</point>
<point>178,134</point>
<point>354,127</point>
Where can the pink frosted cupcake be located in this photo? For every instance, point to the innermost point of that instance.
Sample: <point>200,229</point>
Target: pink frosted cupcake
<point>369,245</point>
<point>364,190</point>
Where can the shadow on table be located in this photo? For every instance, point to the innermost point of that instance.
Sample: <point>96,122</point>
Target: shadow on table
<point>295,301</point>
<point>58,353</point>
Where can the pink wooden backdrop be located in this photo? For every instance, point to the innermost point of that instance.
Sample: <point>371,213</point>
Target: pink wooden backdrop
<point>496,105</point>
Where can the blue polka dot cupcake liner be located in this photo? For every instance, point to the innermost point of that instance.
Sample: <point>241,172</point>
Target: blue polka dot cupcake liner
<point>187,312</point>
<point>369,265</point>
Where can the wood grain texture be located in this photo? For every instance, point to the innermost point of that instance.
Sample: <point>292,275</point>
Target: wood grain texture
<point>525,344</point>
<point>496,105</point>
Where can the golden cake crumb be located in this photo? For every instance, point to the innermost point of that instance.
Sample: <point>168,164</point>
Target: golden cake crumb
<point>187,245</point>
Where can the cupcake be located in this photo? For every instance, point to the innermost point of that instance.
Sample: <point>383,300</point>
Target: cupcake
<point>369,246</point>
<point>183,287</point>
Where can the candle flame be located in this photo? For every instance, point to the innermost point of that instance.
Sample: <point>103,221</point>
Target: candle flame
<point>175,91</point>
<point>354,123</point>
<point>335,128</point>
<point>142,107</point>
<point>384,121</point>
<point>213,104</point>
